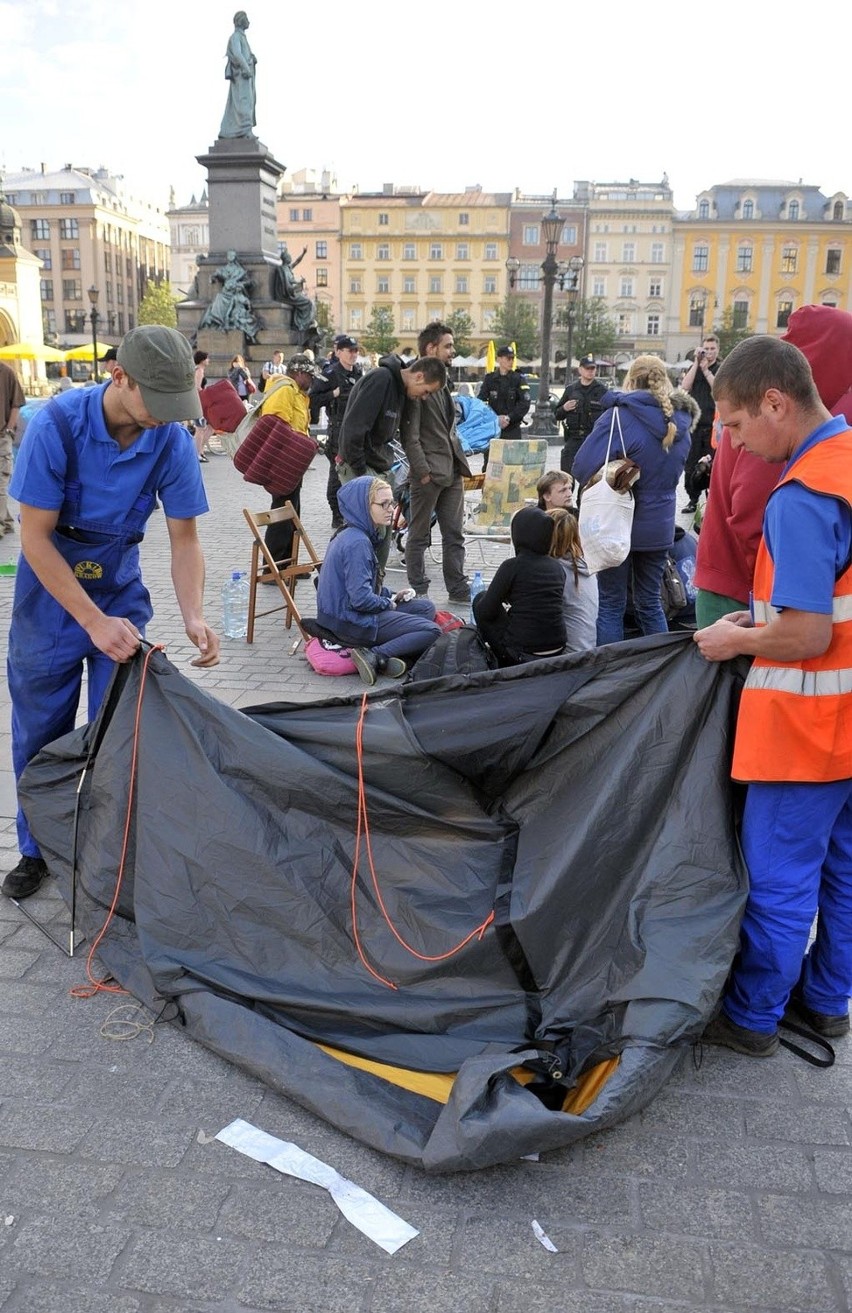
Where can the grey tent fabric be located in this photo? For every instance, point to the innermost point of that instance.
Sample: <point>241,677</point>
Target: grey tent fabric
<point>583,800</point>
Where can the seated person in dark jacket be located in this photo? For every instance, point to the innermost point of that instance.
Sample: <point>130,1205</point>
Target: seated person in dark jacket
<point>520,614</point>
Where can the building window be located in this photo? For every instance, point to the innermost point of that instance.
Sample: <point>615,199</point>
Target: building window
<point>44,254</point>
<point>623,325</point>
<point>658,253</point>
<point>462,251</point>
<point>785,309</point>
<point>436,251</point>
<point>408,321</point>
<point>108,262</point>
<point>294,216</point>
<point>307,216</point>
<point>356,319</point>
<point>384,220</point>
<point>832,262</point>
<point>704,209</point>
<point>748,209</point>
<point>491,250</point>
<point>600,252</point>
<point>71,257</point>
<point>383,251</point>
<point>119,293</point>
<point>829,303</point>
<point>789,259</point>
<point>531,234</point>
<point>131,322</point>
<point>744,258</point>
<point>569,235</point>
<point>322,250</point>
<point>356,251</point>
<point>461,282</point>
<point>653,328</point>
<point>628,252</point>
<point>40,230</point>
<point>697,306</point>
<point>355,285</point>
<point>489,285</point>
<point>838,210</point>
<point>75,321</point>
<point>488,317</point>
<point>409,251</point>
<point>48,323</point>
<point>740,316</point>
<point>409,284</point>
<point>435,284</point>
<point>655,287</point>
<point>528,277</point>
<point>109,289</point>
<point>383,285</point>
<point>46,289</point>
<point>67,198</point>
<point>322,278</point>
<point>72,289</point>
<point>793,211</point>
<point>598,286</point>
<point>626,287</point>
<point>464,220</point>
<point>128,267</point>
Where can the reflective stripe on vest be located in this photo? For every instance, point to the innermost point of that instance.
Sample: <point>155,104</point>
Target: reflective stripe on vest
<point>841,610</point>
<point>802,683</point>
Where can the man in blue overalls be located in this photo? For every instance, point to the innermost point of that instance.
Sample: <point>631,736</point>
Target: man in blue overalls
<point>90,469</point>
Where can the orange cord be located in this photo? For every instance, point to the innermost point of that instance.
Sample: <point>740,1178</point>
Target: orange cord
<point>107,985</point>
<point>363,823</point>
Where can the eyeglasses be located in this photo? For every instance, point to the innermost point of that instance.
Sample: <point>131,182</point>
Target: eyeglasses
<point>384,504</point>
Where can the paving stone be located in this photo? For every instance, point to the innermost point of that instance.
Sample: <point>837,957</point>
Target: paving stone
<point>28,1078</point>
<point>42,1297</point>
<point>171,1265</point>
<point>401,1290</point>
<point>752,1166</point>
<point>688,1114</point>
<point>280,1211</point>
<point>818,1223</point>
<point>541,1299</point>
<point>142,1143</point>
<point>810,1125</point>
<point>41,1126</point>
<point>833,1168</point>
<point>644,1264</point>
<point>221,1104</point>
<point>288,1280</point>
<point>59,1187</point>
<point>622,1149</point>
<point>169,1201</point>
<point>16,962</point>
<point>668,1206</point>
<point>49,1247</point>
<point>746,1275</point>
<point>107,1091</point>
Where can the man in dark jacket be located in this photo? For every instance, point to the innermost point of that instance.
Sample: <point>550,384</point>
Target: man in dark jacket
<point>698,382</point>
<point>578,408</point>
<point>331,390</point>
<point>438,467</point>
<point>507,393</point>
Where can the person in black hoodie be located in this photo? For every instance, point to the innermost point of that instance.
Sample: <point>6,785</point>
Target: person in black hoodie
<point>520,614</point>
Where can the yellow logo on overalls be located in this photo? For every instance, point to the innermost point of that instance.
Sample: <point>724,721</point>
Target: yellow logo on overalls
<point>88,570</point>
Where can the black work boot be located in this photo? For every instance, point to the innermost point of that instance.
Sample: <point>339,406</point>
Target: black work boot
<point>28,876</point>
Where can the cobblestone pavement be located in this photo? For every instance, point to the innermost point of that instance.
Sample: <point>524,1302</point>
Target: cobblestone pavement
<point>732,1192</point>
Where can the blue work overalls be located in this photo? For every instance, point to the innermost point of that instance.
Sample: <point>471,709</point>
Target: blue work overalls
<point>47,647</point>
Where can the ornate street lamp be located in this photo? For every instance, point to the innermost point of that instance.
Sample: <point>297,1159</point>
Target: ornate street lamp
<point>571,285</point>
<point>513,264</point>
<point>93,295</point>
<point>543,425</point>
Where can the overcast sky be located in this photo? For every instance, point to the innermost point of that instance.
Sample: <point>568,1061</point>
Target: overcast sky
<point>506,95</point>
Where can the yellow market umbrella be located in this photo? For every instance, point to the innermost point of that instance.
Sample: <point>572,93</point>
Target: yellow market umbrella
<point>490,357</point>
<point>515,351</point>
<point>30,351</point>
<point>85,352</point>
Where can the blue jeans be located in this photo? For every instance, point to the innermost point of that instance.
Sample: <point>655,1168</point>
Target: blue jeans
<point>407,630</point>
<point>645,569</point>
<point>797,842</point>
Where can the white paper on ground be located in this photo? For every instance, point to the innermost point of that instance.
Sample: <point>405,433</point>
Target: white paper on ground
<point>543,1238</point>
<point>364,1211</point>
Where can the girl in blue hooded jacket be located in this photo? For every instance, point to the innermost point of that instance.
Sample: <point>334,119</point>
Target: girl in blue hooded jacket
<point>380,627</point>
<point>656,422</point>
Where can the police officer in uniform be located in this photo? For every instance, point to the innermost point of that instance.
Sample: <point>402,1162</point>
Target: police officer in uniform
<point>331,389</point>
<point>507,393</point>
<point>578,408</point>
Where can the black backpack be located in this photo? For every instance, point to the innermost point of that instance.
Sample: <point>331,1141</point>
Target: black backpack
<point>459,652</point>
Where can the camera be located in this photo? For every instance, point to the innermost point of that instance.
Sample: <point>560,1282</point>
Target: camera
<point>700,353</point>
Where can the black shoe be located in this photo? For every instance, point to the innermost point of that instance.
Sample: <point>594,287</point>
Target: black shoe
<point>393,667</point>
<point>754,1043</point>
<point>365,662</point>
<point>460,597</point>
<point>690,508</point>
<point>829,1025</point>
<point>28,876</point>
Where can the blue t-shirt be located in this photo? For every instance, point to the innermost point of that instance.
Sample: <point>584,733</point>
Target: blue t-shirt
<point>111,479</point>
<point>809,537</point>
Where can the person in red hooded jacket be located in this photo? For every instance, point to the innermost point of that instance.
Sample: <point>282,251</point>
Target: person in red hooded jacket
<point>741,483</point>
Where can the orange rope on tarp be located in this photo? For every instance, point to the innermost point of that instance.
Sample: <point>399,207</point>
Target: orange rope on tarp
<point>363,825</point>
<point>106,985</point>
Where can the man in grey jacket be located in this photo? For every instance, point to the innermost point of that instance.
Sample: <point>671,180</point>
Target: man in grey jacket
<point>438,468</point>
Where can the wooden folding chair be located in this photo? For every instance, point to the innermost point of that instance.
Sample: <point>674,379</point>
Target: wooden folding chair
<point>286,575</point>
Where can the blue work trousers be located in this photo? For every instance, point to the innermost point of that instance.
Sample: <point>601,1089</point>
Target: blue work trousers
<point>797,841</point>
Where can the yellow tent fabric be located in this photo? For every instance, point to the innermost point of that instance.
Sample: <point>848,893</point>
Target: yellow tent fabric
<point>515,349</point>
<point>490,357</point>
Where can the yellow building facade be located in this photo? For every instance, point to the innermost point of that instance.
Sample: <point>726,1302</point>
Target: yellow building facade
<point>423,255</point>
<point>759,251</point>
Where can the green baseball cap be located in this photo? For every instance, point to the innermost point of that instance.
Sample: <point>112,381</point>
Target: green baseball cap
<point>160,360</point>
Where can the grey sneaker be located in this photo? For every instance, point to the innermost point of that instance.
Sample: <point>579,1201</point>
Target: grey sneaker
<point>365,662</point>
<point>393,667</point>
<point>754,1043</point>
<point>28,876</point>
<point>829,1025</point>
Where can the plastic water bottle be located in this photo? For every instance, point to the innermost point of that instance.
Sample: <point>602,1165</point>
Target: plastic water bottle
<point>235,602</point>
<point>477,585</point>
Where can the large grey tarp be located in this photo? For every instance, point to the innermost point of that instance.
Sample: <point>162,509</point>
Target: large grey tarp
<point>584,801</point>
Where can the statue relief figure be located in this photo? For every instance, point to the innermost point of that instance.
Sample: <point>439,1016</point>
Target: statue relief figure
<point>239,117</point>
<point>231,307</point>
<point>288,288</point>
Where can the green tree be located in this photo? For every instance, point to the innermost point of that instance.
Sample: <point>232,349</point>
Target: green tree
<point>325,321</point>
<point>517,321</point>
<point>463,328</point>
<point>729,336</point>
<point>594,331</point>
<point>379,334</point>
<point>158,306</point>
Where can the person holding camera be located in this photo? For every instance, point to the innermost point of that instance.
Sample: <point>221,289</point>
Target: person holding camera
<point>698,381</point>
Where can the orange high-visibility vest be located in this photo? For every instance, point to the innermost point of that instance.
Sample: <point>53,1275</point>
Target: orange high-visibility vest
<point>795,718</point>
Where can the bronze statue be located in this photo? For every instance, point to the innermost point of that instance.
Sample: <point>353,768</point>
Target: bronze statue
<point>239,117</point>
<point>288,288</point>
<point>231,307</point>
